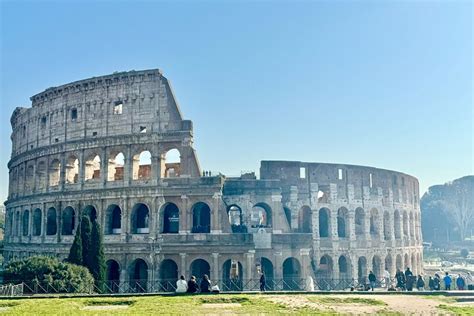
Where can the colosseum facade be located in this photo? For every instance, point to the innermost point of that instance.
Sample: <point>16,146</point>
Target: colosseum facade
<point>117,149</point>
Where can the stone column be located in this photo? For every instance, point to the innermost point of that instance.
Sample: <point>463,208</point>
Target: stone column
<point>82,169</point>
<point>123,280</point>
<point>215,267</point>
<point>215,223</point>
<point>305,263</point>
<point>182,269</point>
<point>104,167</point>
<point>128,166</point>
<point>351,224</point>
<point>278,268</point>
<point>315,222</point>
<point>183,215</point>
<point>333,225</point>
<point>249,268</point>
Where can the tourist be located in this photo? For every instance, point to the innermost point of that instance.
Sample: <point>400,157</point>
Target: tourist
<point>386,276</point>
<point>263,282</point>
<point>437,282</point>
<point>400,280</point>
<point>469,281</point>
<point>309,284</point>
<point>205,284</point>
<point>408,273</point>
<point>192,285</point>
<point>410,281</point>
<point>460,283</point>
<point>372,280</point>
<point>181,285</point>
<point>447,282</point>
<point>431,284</point>
<point>420,283</point>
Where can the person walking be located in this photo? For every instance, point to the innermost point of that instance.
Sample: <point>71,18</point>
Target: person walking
<point>386,276</point>
<point>460,283</point>
<point>408,273</point>
<point>372,280</point>
<point>469,281</point>
<point>263,282</point>
<point>400,280</point>
<point>447,282</point>
<point>420,283</point>
<point>192,285</point>
<point>205,284</point>
<point>181,285</point>
<point>437,282</point>
<point>431,284</point>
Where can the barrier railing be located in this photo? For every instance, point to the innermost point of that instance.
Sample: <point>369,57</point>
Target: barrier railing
<point>11,289</point>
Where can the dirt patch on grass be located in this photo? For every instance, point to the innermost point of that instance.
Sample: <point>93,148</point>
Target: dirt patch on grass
<point>104,307</point>
<point>221,305</point>
<point>296,301</point>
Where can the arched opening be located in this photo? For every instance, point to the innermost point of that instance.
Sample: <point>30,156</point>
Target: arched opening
<point>374,222</point>
<point>41,176</point>
<point>168,275</point>
<point>388,264</point>
<point>342,228</point>
<point>362,270</point>
<point>113,220</point>
<point>92,171</point>
<point>386,226</point>
<point>68,221</point>
<point>199,267</point>
<point>26,222</point>
<point>113,276</point>
<point>171,164</point>
<point>261,215</point>
<point>140,219</point>
<point>266,267</point>
<point>201,218</point>
<point>360,222</point>
<point>54,173</point>
<point>324,273</point>
<point>232,275</point>
<point>399,263</point>
<point>115,168</point>
<point>287,216</point>
<point>324,223</point>
<point>344,272</point>
<point>234,213</point>
<point>377,266</point>
<point>139,276</point>
<point>170,219</point>
<point>405,224</point>
<point>51,222</point>
<point>17,224</point>
<point>72,170</point>
<point>30,177</point>
<point>396,221</point>
<point>291,274</point>
<point>37,218</point>
<point>305,220</point>
<point>141,167</point>
<point>90,211</point>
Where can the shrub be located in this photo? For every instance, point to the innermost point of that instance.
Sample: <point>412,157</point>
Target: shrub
<point>464,253</point>
<point>49,275</point>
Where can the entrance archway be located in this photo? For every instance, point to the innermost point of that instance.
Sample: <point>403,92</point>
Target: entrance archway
<point>113,276</point>
<point>232,275</point>
<point>291,274</point>
<point>168,275</point>
<point>139,276</point>
<point>266,267</point>
<point>199,267</point>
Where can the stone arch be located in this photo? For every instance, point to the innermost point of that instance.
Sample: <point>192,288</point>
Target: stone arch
<point>261,215</point>
<point>91,212</point>
<point>287,212</point>
<point>26,223</point>
<point>377,266</point>
<point>386,226</point>
<point>37,219</point>
<point>405,224</point>
<point>51,222</point>
<point>201,218</point>
<point>342,220</point>
<point>68,221</point>
<point>325,271</point>
<point>362,270</point>
<point>234,214</point>
<point>113,220</point>
<point>360,222</point>
<point>170,219</point>
<point>139,276</point>
<point>54,173</point>
<point>115,167</point>
<point>171,164</point>
<point>345,270</point>
<point>266,267</point>
<point>168,275</point>
<point>112,276</point>
<point>232,275</point>
<point>72,170</point>
<point>140,219</point>
<point>397,224</point>
<point>199,267</point>
<point>142,166</point>
<point>305,219</point>
<point>389,263</point>
<point>41,175</point>
<point>374,223</point>
<point>291,274</point>
<point>324,222</point>
<point>92,170</point>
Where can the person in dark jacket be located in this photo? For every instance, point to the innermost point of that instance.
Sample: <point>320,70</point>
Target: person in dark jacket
<point>262,282</point>
<point>205,284</point>
<point>420,283</point>
<point>372,280</point>
<point>192,285</point>
<point>431,284</point>
<point>408,273</point>
<point>437,282</point>
<point>400,280</point>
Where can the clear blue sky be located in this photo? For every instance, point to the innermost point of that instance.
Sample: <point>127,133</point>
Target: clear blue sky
<point>380,83</point>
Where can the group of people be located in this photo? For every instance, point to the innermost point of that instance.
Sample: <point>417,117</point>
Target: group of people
<point>406,281</point>
<point>192,286</point>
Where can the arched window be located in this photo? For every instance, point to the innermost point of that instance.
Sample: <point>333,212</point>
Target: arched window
<point>377,266</point>
<point>292,274</point>
<point>342,227</point>
<point>261,215</point>
<point>324,222</point>
<point>168,275</point>
<point>115,168</point>
<point>199,267</point>
<point>142,166</point>
<point>374,222</point>
<point>54,173</point>
<point>41,176</point>
<point>37,218</point>
<point>26,222</point>
<point>69,221</point>
<point>232,275</point>
<point>171,164</point>
<point>113,276</point>
<point>92,171</point>
<point>90,211</point>
<point>362,270</point>
<point>386,226</point>
<point>72,170</point>
<point>397,225</point>
<point>360,222</point>
<point>30,177</point>
<point>138,276</point>
<point>305,220</point>
<point>170,219</point>
<point>140,219</point>
<point>51,223</point>
<point>201,218</point>
<point>113,220</point>
<point>266,267</point>
<point>405,224</point>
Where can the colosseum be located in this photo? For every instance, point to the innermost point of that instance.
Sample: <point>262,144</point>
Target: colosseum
<point>116,148</point>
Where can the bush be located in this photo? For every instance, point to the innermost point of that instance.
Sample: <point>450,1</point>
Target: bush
<point>464,253</point>
<point>49,275</point>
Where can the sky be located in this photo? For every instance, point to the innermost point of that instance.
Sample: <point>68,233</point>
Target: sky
<point>379,83</point>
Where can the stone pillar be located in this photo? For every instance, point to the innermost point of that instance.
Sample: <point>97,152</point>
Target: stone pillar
<point>128,166</point>
<point>278,269</point>
<point>215,267</point>
<point>123,280</point>
<point>333,225</point>
<point>367,224</point>
<point>215,223</point>
<point>44,216</point>
<point>182,268</point>
<point>315,222</point>
<point>351,225</point>
<point>305,263</point>
<point>249,268</point>
<point>82,169</point>
<point>104,167</point>
<point>183,215</point>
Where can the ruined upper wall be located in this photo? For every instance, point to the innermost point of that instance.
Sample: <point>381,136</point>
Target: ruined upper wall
<point>89,109</point>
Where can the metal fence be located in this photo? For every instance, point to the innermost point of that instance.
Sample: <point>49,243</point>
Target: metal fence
<point>11,289</point>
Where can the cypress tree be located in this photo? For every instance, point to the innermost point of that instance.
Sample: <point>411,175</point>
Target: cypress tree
<point>86,235</point>
<point>75,253</point>
<point>98,266</point>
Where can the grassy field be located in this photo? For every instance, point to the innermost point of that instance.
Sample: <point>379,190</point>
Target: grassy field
<point>247,304</point>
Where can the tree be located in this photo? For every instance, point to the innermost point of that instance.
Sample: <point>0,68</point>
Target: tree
<point>86,232</point>
<point>97,264</point>
<point>75,253</point>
